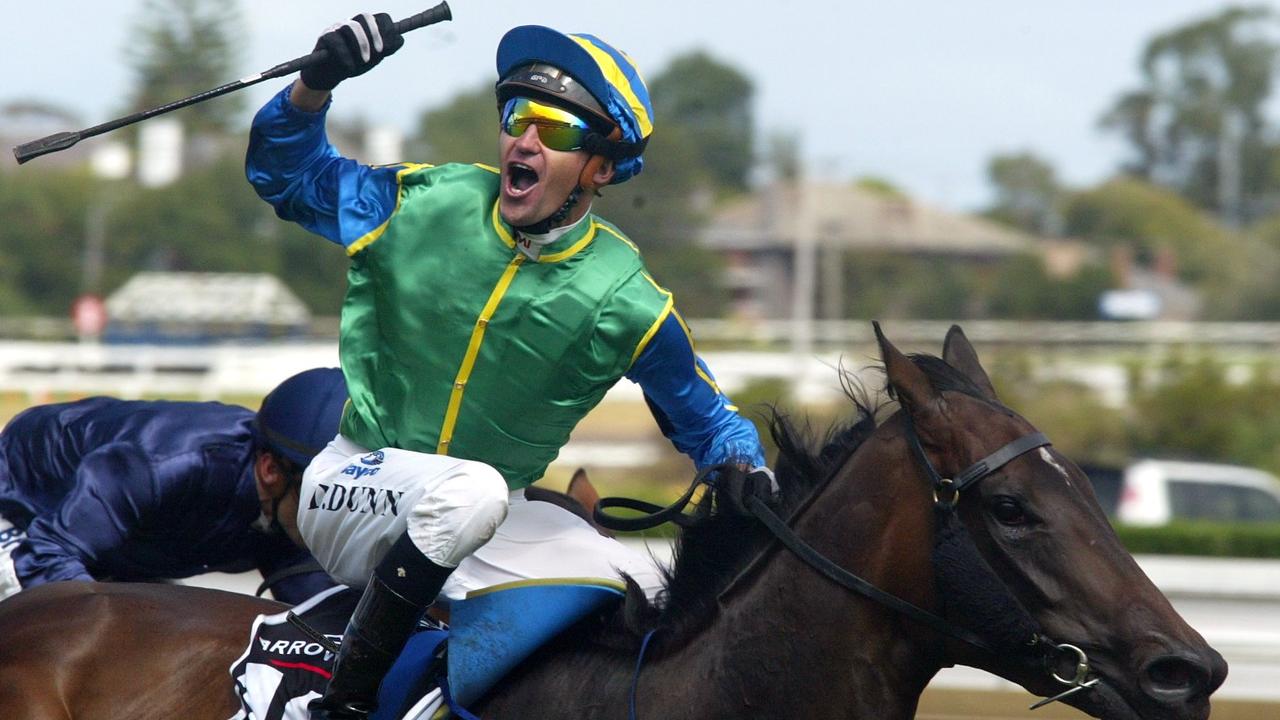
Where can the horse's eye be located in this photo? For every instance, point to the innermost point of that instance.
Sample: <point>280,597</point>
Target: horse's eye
<point>1007,510</point>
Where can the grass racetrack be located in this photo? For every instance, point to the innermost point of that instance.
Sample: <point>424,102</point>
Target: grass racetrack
<point>949,704</point>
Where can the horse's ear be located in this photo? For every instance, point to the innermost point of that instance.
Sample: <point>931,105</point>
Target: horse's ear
<point>908,382</point>
<point>959,354</point>
<point>581,489</point>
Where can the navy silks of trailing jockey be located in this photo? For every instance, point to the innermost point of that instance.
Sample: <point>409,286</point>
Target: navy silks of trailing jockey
<point>140,490</point>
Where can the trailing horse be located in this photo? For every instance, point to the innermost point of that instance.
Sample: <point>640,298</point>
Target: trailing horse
<point>951,533</point>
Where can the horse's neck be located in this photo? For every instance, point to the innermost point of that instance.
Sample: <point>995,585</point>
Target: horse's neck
<point>796,641</point>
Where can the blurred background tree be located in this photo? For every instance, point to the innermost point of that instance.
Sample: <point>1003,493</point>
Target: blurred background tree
<point>711,102</point>
<point>182,47</point>
<point>1028,195</point>
<point>1198,123</point>
<point>38,273</point>
<point>462,130</point>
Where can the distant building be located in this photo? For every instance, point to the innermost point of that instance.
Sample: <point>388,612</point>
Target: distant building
<point>177,307</point>
<point>759,236</point>
<point>1148,293</point>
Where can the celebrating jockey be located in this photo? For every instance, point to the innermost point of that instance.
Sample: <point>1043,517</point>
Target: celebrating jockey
<point>128,490</point>
<point>487,312</point>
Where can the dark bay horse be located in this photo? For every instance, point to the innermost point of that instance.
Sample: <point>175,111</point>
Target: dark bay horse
<point>954,504</point>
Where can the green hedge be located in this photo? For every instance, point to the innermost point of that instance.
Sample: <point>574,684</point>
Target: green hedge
<point>1243,540</point>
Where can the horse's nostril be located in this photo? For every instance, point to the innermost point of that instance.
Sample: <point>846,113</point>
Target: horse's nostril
<point>1170,678</point>
<point>1170,673</point>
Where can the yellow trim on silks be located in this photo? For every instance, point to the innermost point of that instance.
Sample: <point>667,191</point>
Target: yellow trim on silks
<point>653,329</point>
<point>667,307</point>
<point>490,168</point>
<point>623,238</point>
<point>501,228</point>
<point>473,350</point>
<point>618,79</point>
<point>572,249</point>
<point>534,582</point>
<point>696,367</point>
<point>368,238</point>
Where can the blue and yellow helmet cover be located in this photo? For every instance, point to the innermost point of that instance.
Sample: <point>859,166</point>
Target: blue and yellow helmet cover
<point>607,73</point>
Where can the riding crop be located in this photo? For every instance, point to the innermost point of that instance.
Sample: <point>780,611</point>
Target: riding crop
<point>63,140</point>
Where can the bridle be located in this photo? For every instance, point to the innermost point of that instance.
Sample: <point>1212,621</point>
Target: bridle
<point>946,493</point>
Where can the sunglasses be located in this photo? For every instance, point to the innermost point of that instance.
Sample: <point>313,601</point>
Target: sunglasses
<point>558,129</point>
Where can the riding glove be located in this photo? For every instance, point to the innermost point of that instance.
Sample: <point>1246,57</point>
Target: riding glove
<point>737,483</point>
<point>353,47</point>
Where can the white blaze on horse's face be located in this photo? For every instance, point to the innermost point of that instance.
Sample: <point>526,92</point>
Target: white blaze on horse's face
<point>1048,457</point>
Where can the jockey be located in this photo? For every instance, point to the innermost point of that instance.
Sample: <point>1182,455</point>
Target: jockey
<point>487,311</point>
<point>111,489</point>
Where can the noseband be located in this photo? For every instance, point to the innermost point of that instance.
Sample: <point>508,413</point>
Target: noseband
<point>946,493</point>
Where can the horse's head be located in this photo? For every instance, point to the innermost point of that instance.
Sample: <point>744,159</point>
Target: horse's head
<point>1036,523</point>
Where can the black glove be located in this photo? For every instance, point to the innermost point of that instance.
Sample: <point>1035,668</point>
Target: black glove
<point>736,484</point>
<point>354,47</point>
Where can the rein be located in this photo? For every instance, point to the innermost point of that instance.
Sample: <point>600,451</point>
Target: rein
<point>946,492</point>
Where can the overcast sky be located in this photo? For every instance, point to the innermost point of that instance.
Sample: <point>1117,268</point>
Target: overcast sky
<point>919,93</point>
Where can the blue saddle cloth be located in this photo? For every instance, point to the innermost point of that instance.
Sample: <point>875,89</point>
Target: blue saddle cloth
<point>491,632</point>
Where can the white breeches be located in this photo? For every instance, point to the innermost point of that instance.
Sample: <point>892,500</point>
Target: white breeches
<point>355,503</point>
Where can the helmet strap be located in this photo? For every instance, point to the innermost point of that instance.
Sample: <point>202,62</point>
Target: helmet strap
<point>275,527</point>
<point>544,225</point>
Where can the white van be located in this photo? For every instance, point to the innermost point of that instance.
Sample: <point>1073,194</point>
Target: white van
<point>1154,492</point>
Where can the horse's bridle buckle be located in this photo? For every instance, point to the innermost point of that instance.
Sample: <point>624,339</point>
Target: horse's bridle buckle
<point>1077,683</point>
<point>946,491</point>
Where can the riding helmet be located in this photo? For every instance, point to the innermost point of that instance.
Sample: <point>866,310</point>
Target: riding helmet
<point>301,415</point>
<point>583,73</point>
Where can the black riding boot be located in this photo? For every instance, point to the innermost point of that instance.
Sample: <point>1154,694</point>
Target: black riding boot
<point>403,585</point>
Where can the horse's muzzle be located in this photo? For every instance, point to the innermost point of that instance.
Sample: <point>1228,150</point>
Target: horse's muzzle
<point>1182,682</point>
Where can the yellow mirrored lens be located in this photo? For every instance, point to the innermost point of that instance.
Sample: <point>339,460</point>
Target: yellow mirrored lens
<point>558,129</point>
<point>529,109</point>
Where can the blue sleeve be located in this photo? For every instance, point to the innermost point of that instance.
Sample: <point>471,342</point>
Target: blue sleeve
<point>94,519</point>
<point>292,165</point>
<point>692,412</point>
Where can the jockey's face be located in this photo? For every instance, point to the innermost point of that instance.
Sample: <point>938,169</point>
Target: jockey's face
<point>536,180</point>
<point>287,512</point>
<point>277,497</point>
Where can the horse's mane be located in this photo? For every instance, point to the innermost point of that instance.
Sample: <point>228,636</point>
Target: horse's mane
<point>710,554</point>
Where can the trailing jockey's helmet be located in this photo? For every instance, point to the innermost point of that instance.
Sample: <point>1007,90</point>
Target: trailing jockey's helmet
<point>301,415</point>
